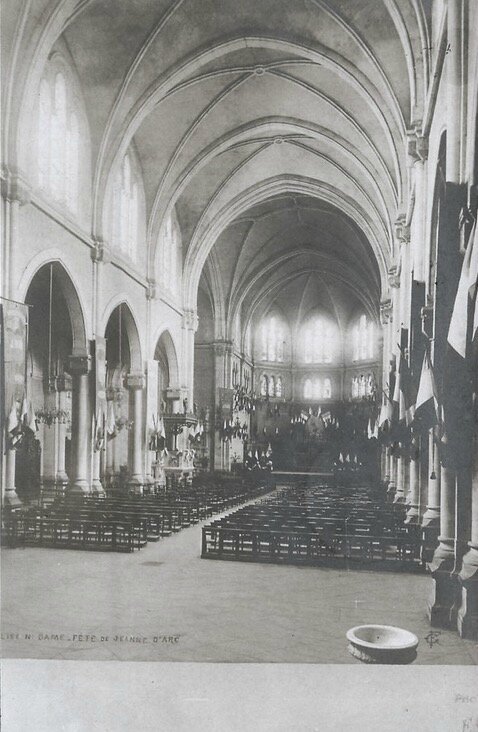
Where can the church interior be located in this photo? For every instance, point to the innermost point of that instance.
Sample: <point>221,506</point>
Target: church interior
<point>239,322</point>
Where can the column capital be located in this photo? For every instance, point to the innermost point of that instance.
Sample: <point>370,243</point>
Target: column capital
<point>14,187</point>
<point>77,365</point>
<point>101,251</point>
<point>386,311</point>
<point>63,382</point>
<point>151,289</point>
<point>402,230</point>
<point>190,320</point>
<point>417,146</point>
<point>394,276</point>
<point>135,380</point>
<point>221,348</point>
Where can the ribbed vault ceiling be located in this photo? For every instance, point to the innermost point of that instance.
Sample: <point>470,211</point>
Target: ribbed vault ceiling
<point>233,103</point>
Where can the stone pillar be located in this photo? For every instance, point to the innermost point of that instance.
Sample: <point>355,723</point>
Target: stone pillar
<point>400,480</point>
<point>444,587</point>
<point>222,351</point>
<point>455,90</point>
<point>392,486</point>
<point>49,445</point>
<point>467,619</point>
<point>189,326</point>
<point>413,513</point>
<point>431,517</point>
<point>79,368</point>
<point>10,496</point>
<point>63,385</point>
<point>135,384</point>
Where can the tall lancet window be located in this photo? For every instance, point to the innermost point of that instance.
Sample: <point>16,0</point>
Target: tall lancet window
<point>126,209</point>
<point>58,140</point>
<point>319,340</point>
<point>363,339</point>
<point>272,339</point>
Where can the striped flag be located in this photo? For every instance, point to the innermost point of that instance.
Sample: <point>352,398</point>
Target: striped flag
<point>427,410</point>
<point>467,289</point>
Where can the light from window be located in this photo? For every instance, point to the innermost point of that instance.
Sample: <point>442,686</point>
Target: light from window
<point>319,339</point>
<point>279,386</point>
<point>58,138</point>
<point>170,246</point>
<point>317,389</point>
<point>272,340</point>
<point>126,210</point>
<point>363,339</point>
<point>271,391</point>
<point>264,385</point>
<point>363,386</point>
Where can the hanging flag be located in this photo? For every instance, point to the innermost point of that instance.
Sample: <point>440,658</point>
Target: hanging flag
<point>341,458</point>
<point>427,409</point>
<point>347,459</point>
<point>403,391</point>
<point>110,419</point>
<point>369,429</point>
<point>467,287</point>
<point>30,420</point>
<point>13,422</point>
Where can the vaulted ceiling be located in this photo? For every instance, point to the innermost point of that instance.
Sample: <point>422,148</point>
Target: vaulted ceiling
<point>276,128</point>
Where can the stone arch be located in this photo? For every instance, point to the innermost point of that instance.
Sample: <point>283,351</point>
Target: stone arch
<point>70,292</point>
<point>136,360</point>
<point>164,345</point>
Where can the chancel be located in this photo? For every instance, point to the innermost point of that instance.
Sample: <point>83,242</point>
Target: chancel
<point>239,322</point>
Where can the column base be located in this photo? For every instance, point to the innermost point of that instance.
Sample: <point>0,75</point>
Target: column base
<point>136,485</point>
<point>11,499</point>
<point>445,586</point>
<point>79,487</point>
<point>431,517</point>
<point>413,515</point>
<point>467,616</point>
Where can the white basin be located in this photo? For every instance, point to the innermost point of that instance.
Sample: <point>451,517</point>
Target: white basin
<point>382,644</point>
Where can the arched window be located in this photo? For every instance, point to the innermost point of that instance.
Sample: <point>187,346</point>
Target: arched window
<point>126,209</point>
<point>355,387</point>
<point>272,339</point>
<point>363,339</point>
<point>279,386</point>
<point>170,252</point>
<point>317,389</point>
<point>327,391</point>
<point>271,391</point>
<point>264,385</point>
<point>58,141</point>
<point>319,338</point>
<point>308,389</point>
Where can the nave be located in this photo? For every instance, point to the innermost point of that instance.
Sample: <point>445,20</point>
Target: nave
<point>200,610</point>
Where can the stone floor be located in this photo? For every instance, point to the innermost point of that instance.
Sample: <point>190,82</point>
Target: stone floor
<point>165,603</point>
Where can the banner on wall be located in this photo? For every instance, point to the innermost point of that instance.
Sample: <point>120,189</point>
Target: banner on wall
<point>226,401</point>
<point>13,352</point>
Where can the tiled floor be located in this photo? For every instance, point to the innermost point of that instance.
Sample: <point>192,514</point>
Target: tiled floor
<point>192,609</point>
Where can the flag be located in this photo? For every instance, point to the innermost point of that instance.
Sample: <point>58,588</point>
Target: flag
<point>369,429</point>
<point>341,458</point>
<point>111,419</point>
<point>467,287</point>
<point>30,420</point>
<point>13,422</point>
<point>427,410</point>
<point>402,392</point>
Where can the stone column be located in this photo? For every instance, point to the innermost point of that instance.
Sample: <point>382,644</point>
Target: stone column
<point>444,588</point>
<point>189,326</point>
<point>222,351</point>
<point>49,445</point>
<point>431,517</point>
<point>413,513</point>
<point>63,384</point>
<point>400,481</point>
<point>392,486</point>
<point>10,496</point>
<point>467,620</point>
<point>135,384</point>
<point>79,368</point>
